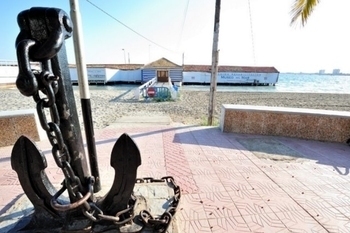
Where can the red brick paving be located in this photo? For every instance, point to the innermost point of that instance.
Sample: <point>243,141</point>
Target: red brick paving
<point>226,187</point>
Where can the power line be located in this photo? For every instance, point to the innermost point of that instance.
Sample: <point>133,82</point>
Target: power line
<point>183,23</point>
<point>139,34</point>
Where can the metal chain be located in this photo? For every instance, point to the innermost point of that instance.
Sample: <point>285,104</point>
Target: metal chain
<point>161,224</point>
<point>47,85</point>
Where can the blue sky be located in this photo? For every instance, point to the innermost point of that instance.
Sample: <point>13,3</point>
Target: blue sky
<point>174,27</point>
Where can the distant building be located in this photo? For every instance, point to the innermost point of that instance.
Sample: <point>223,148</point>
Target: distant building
<point>336,71</point>
<point>322,72</point>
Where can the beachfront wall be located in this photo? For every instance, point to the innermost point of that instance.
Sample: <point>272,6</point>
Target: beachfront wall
<point>196,77</point>
<point>253,75</point>
<point>107,75</point>
<point>125,76</point>
<point>231,78</point>
<point>95,75</point>
<point>253,78</point>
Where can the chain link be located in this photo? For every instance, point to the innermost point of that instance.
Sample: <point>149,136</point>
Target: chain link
<point>161,224</point>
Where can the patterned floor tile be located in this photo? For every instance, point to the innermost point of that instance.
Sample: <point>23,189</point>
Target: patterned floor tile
<point>264,222</point>
<point>248,202</point>
<point>218,205</point>
<point>260,180</point>
<point>345,210</point>
<point>8,177</point>
<point>225,187</point>
<point>282,203</point>
<point>227,170</point>
<point>190,208</point>
<point>235,183</point>
<point>201,167</point>
<point>208,183</point>
<point>194,226</point>
<point>332,220</point>
<point>300,221</point>
<point>194,157</point>
<point>310,201</point>
<point>230,224</point>
<point>187,184</point>
<point>233,154</point>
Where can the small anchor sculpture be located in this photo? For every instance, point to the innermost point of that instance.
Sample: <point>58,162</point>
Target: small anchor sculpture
<point>42,39</point>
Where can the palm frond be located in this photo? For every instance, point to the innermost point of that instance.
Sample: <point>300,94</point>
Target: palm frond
<point>302,9</point>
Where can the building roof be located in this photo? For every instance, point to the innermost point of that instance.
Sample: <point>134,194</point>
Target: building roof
<point>165,63</point>
<point>162,63</point>
<point>245,69</point>
<point>113,66</point>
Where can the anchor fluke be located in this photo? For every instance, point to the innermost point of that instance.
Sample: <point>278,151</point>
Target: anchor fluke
<point>125,158</point>
<point>29,163</point>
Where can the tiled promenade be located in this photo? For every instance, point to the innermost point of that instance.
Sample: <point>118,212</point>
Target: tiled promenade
<point>229,182</point>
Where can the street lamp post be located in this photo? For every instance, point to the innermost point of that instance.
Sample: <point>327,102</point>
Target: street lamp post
<point>124,56</point>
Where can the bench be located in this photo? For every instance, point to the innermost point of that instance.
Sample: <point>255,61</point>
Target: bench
<point>13,124</point>
<point>313,124</point>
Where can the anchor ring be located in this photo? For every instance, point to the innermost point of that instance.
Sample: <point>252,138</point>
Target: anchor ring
<point>65,207</point>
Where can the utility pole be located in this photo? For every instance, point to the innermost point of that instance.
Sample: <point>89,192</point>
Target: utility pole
<point>215,61</point>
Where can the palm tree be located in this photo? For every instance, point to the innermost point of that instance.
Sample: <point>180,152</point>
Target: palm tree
<point>302,10</point>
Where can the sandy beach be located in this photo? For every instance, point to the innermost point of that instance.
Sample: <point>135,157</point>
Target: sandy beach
<point>190,108</point>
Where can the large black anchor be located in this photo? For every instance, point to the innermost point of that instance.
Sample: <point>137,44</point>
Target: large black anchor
<point>41,39</point>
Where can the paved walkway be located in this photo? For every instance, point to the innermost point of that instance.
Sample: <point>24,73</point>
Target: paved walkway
<point>229,182</point>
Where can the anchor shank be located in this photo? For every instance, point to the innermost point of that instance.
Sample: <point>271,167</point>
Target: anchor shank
<point>66,107</point>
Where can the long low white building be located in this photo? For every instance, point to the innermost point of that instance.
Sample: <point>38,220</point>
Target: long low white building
<point>103,75</point>
<point>163,70</point>
<point>201,74</point>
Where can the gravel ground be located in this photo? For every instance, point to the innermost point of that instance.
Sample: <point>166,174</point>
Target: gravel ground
<point>190,108</point>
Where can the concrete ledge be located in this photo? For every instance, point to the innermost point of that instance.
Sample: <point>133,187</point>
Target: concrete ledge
<point>13,124</point>
<point>314,124</point>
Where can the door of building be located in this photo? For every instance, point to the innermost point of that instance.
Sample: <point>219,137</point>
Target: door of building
<point>162,75</point>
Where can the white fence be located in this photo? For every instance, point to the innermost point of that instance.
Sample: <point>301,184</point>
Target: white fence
<point>141,90</point>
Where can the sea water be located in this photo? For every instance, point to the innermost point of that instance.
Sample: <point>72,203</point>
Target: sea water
<point>287,82</point>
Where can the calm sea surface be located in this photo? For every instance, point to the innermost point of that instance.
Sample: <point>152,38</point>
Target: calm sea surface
<point>305,83</point>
